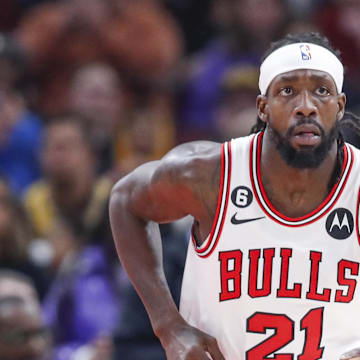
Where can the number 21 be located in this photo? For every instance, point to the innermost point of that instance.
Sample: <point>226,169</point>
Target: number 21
<point>311,323</point>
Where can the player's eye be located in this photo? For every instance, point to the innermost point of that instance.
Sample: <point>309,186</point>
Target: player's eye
<point>286,91</point>
<point>322,91</point>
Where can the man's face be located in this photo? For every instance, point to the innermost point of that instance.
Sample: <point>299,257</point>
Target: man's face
<point>65,152</point>
<point>303,111</point>
<point>96,93</point>
<point>22,334</point>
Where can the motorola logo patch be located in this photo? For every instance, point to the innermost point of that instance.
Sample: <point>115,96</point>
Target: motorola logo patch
<point>340,224</point>
<point>241,196</point>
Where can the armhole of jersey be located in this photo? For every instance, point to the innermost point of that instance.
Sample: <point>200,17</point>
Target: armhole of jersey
<point>208,246</point>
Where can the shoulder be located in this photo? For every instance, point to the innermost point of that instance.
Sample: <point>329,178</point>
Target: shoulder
<point>193,171</point>
<point>184,162</point>
<point>191,161</point>
<point>185,181</point>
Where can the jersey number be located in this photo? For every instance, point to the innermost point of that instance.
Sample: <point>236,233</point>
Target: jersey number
<point>283,326</point>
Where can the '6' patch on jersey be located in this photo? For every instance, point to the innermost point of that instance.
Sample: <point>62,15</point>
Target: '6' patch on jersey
<point>242,196</point>
<point>340,224</point>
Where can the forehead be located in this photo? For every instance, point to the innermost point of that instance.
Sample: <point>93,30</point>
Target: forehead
<point>14,287</point>
<point>304,75</point>
<point>64,132</point>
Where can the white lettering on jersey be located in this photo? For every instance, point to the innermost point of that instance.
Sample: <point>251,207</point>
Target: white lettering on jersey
<point>231,264</point>
<point>242,197</point>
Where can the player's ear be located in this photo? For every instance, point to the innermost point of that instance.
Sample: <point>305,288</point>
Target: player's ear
<point>261,105</point>
<point>341,106</point>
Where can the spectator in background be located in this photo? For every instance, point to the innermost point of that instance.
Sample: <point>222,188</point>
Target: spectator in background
<point>96,93</point>
<point>147,136</point>
<point>236,112</point>
<point>134,338</point>
<point>139,38</point>
<point>15,238</point>
<point>85,292</point>
<point>14,283</point>
<point>245,26</point>
<point>23,334</point>
<point>122,135</point>
<point>20,137</point>
<point>339,21</point>
<point>20,129</point>
<point>70,187</point>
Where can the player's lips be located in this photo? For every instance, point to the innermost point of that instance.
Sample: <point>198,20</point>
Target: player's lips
<point>306,135</point>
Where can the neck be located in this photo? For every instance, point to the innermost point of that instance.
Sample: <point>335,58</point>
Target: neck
<point>296,192</point>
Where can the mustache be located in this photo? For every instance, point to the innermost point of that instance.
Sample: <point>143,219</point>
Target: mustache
<point>305,121</point>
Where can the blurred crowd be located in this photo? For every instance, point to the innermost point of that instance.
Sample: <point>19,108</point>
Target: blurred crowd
<point>90,89</point>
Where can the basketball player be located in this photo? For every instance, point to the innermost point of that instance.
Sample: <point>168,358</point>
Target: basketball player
<point>273,266</point>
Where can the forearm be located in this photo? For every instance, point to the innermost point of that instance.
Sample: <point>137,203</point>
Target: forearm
<point>138,244</point>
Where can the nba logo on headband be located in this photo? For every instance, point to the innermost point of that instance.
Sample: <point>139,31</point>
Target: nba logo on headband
<point>305,52</point>
<point>313,57</point>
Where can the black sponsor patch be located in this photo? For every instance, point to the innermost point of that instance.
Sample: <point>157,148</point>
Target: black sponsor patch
<point>340,224</point>
<point>242,196</point>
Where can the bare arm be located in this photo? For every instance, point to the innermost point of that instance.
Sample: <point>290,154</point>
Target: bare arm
<point>182,183</point>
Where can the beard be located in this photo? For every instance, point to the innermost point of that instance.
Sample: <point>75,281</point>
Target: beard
<point>307,157</point>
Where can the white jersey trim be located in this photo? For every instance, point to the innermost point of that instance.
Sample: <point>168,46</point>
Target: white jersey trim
<point>269,209</point>
<point>205,249</point>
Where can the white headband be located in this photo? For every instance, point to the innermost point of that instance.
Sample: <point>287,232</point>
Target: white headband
<point>300,56</point>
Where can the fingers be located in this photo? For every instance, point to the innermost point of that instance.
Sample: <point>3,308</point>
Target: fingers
<point>213,349</point>
<point>208,350</point>
<point>353,355</point>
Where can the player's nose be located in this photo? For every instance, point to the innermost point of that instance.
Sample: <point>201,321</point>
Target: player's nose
<point>305,105</point>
